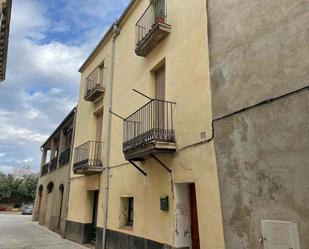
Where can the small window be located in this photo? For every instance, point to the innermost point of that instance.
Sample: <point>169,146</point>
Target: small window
<point>126,211</point>
<point>131,212</point>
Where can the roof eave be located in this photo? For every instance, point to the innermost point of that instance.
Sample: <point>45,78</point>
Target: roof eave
<point>63,122</point>
<point>107,34</point>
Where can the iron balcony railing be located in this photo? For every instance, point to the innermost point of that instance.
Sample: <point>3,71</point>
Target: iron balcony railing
<point>65,156</point>
<point>93,81</point>
<point>88,155</point>
<point>92,85</point>
<point>45,169</point>
<point>152,122</point>
<point>155,13</point>
<point>53,164</point>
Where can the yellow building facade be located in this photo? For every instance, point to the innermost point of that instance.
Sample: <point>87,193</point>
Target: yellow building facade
<point>52,196</point>
<point>144,172</point>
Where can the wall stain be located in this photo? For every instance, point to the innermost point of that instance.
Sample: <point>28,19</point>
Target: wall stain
<point>272,185</point>
<point>240,220</point>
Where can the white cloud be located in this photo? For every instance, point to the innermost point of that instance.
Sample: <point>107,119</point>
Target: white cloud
<point>29,20</point>
<point>26,160</point>
<point>6,169</point>
<point>42,81</point>
<point>60,27</point>
<point>21,135</point>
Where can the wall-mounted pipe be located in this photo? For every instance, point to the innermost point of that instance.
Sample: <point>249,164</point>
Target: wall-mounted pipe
<point>69,177</point>
<point>108,139</point>
<point>264,102</point>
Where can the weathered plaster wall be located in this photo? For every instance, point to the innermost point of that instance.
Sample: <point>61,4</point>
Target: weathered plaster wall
<point>58,177</point>
<point>259,50</point>
<point>263,169</point>
<point>187,83</point>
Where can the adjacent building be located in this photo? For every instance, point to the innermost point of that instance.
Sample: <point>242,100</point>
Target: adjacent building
<point>5,19</point>
<point>50,207</point>
<point>259,68</point>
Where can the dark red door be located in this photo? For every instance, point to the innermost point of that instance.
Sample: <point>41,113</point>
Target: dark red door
<point>194,218</point>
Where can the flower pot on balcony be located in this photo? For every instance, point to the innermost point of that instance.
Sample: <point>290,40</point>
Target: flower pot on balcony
<point>160,19</point>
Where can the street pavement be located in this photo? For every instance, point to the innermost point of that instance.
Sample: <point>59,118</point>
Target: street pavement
<point>18,231</point>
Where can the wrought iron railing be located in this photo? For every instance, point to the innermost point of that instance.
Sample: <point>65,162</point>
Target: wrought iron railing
<point>154,14</point>
<point>65,156</point>
<point>88,155</point>
<point>45,169</point>
<point>152,122</point>
<point>93,82</point>
<point>53,164</point>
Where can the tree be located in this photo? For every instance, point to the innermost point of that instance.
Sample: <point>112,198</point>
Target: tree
<point>28,186</point>
<point>14,190</point>
<point>6,183</point>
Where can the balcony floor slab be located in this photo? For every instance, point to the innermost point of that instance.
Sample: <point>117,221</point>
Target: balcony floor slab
<point>143,152</point>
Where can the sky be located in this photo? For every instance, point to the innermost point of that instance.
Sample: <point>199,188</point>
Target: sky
<point>49,40</point>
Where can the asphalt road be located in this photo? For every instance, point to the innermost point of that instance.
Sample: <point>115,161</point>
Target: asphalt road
<point>18,231</point>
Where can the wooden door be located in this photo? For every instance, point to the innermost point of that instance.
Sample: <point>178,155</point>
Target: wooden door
<point>160,83</point>
<point>101,75</point>
<point>94,215</point>
<point>40,195</point>
<point>97,150</point>
<point>99,120</point>
<point>48,213</point>
<point>194,218</point>
<point>159,11</point>
<point>39,205</point>
<point>61,189</point>
<point>160,105</point>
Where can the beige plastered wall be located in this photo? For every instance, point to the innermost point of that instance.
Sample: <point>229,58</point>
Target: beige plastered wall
<point>185,53</point>
<point>58,177</point>
<point>80,203</point>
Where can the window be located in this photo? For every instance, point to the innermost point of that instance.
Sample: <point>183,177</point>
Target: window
<point>131,211</point>
<point>159,7</point>
<point>126,211</point>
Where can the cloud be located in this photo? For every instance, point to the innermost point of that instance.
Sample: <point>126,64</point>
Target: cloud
<point>47,46</point>
<point>6,169</point>
<point>29,20</point>
<point>26,160</point>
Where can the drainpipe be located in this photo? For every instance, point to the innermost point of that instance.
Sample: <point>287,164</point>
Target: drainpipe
<point>108,140</point>
<point>64,234</point>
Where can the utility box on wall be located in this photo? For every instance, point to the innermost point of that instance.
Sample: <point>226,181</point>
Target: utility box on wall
<point>164,203</point>
<point>284,233</point>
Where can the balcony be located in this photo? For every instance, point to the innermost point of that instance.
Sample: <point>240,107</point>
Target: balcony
<point>65,157</point>
<point>149,130</point>
<point>88,158</point>
<point>94,90</point>
<point>53,164</point>
<point>45,169</point>
<point>152,27</point>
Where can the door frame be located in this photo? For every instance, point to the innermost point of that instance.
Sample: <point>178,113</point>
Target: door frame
<point>192,188</point>
<point>95,208</point>
<point>61,190</point>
